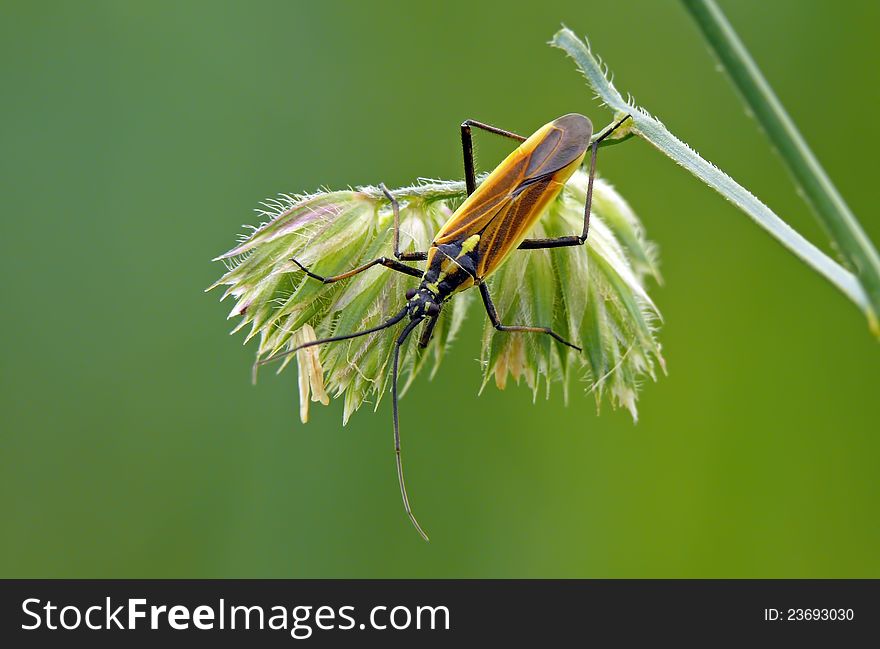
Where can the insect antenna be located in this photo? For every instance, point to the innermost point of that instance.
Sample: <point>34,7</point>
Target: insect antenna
<point>400,340</point>
<point>390,322</point>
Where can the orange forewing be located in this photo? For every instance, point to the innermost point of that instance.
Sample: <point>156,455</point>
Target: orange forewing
<point>503,235</point>
<point>506,205</point>
<point>493,195</point>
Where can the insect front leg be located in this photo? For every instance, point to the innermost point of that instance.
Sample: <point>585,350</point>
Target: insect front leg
<point>467,147</point>
<point>406,256</point>
<point>576,240</point>
<point>493,316</point>
<point>384,261</point>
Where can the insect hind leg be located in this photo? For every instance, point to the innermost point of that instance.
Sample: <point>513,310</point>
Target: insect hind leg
<point>574,239</point>
<point>467,147</point>
<point>496,322</point>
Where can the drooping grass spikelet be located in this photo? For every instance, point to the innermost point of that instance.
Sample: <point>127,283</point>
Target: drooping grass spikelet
<point>592,294</point>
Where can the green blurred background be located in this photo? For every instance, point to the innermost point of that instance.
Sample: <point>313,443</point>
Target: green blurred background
<point>137,138</point>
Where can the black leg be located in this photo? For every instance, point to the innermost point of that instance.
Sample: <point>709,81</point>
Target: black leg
<point>575,240</point>
<point>467,147</point>
<point>493,316</point>
<point>406,256</point>
<point>400,340</point>
<point>384,261</point>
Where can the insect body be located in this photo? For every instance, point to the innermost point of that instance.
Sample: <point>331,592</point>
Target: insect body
<point>489,225</point>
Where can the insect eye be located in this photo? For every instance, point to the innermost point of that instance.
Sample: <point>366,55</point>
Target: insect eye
<point>432,309</point>
<point>410,293</point>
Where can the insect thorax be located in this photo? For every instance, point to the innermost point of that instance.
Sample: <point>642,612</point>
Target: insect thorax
<point>452,267</point>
